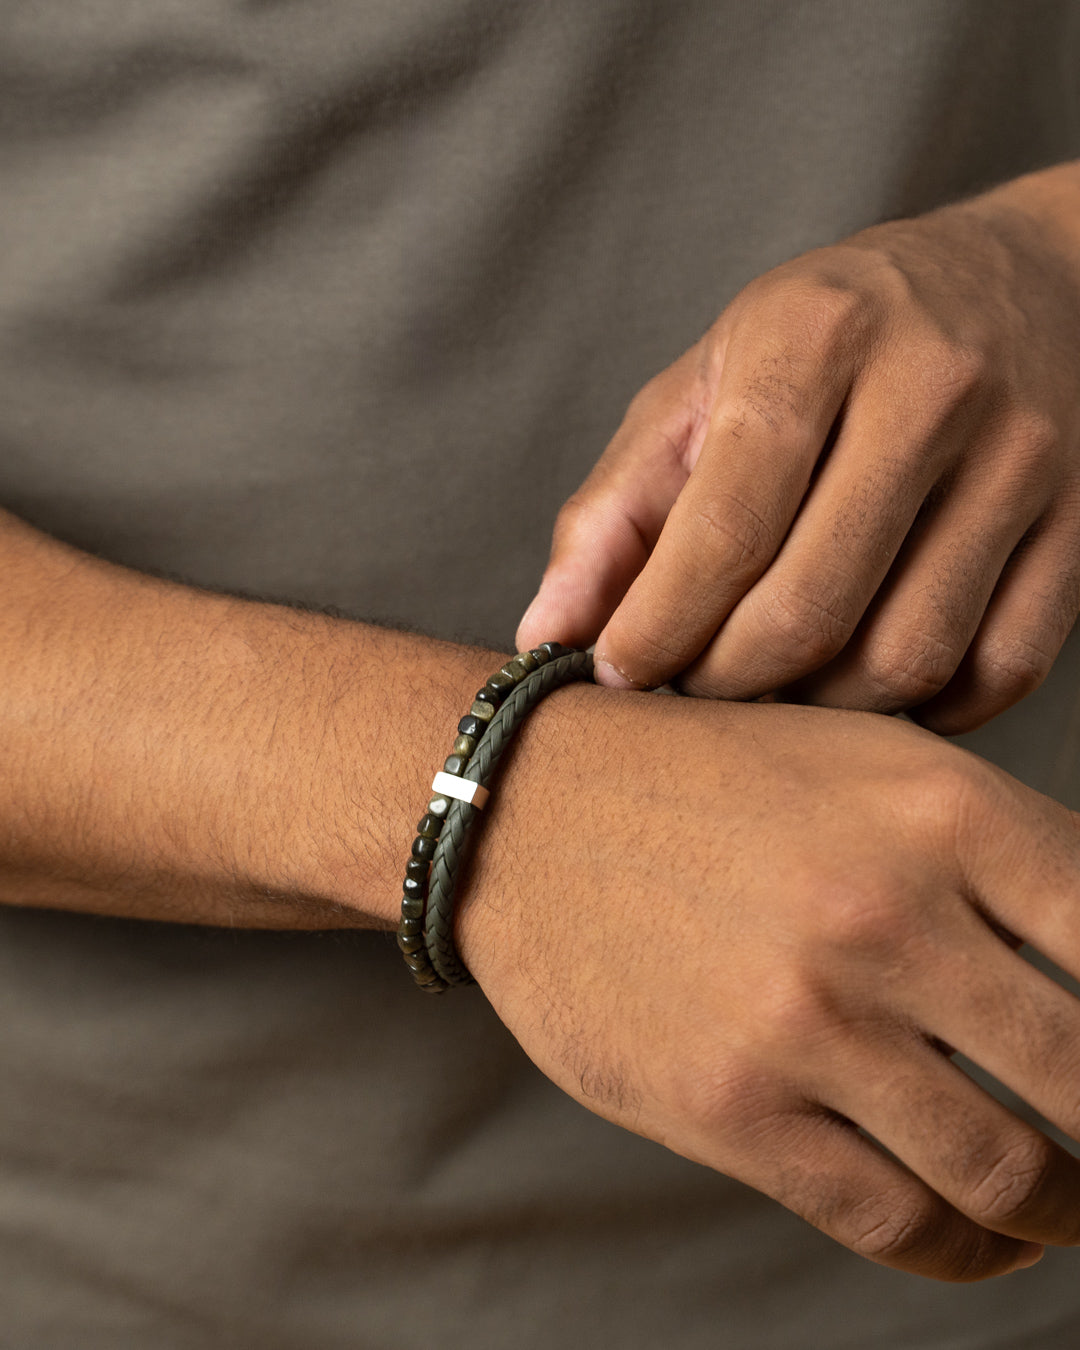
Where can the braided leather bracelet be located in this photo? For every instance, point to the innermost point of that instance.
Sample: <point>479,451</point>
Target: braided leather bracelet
<point>426,932</point>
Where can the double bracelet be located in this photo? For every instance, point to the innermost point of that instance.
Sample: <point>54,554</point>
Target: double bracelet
<point>461,789</point>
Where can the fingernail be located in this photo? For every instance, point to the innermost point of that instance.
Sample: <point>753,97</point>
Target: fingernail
<point>1030,1254</point>
<point>606,674</point>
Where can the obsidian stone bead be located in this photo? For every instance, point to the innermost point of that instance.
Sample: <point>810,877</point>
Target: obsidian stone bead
<point>408,945</point>
<point>418,962</point>
<point>410,927</point>
<point>553,649</point>
<point>455,764</point>
<point>464,745</point>
<point>429,826</point>
<point>471,726</point>
<point>482,710</point>
<point>412,906</point>
<point>423,849</point>
<point>539,656</point>
<point>488,695</point>
<point>417,868</point>
<point>525,662</point>
<point>414,890</point>
<point>500,684</point>
<point>438,806</point>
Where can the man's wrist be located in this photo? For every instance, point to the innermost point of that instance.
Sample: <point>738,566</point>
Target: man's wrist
<point>1049,199</point>
<point>374,713</point>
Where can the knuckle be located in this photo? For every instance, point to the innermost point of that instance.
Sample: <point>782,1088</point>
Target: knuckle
<point>951,374</point>
<point>1034,438</point>
<point>936,788</point>
<point>1016,1178</point>
<point>1010,667</point>
<point>720,1098</point>
<point>871,919</point>
<point>946,787</point>
<point>738,532</point>
<point>832,311</point>
<point>892,1229</point>
<point>795,1013</point>
<point>903,676</point>
<point>952,802</point>
<point>809,628</point>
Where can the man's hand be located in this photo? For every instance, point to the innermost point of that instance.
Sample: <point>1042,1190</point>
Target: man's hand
<point>862,486</point>
<point>750,932</point>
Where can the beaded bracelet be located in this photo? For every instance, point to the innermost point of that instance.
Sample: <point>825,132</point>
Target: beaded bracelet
<point>427,909</point>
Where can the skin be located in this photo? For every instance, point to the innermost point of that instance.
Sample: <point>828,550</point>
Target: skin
<point>741,930</point>
<point>861,487</point>
<point>750,992</point>
<point>749,932</point>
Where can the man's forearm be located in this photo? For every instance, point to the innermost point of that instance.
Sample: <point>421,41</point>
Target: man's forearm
<point>175,754</point>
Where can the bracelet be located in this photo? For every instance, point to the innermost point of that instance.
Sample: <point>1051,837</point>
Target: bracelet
<point>461,790</point>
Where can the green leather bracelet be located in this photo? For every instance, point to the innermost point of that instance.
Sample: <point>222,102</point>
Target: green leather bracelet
<point>426,932</point>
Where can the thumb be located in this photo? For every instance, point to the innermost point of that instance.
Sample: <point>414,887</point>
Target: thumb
<point>605,532</point>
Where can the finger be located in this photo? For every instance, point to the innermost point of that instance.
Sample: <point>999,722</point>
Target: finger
<point>847,1187</point>
<point>987,1163</point>
<point>776,403</point>
<point>930,606</point>
<point>1019,853</point>
<point>1024,1029</point>
<point>805,608</point>
<point>1030,614</point>
<point>605,532</point>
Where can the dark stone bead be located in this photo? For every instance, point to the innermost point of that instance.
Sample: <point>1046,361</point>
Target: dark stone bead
<point>432,986</point>
<point>429,826</point>
<point>525,662</point>
<point>455,764</point>
<point>471,726</point>
<point>414,890</point>
<point>411,927</point>
<point>539,656</point>
<point>423,849</point>
<point>553,649</point>
<point>500,684</point>
<point>418,962</point>
<point>464,745</point>
<point>438,806</point>
<point>417,868</point>
<point>512,672</point>
<point>412,906</point>
<point>489,696</point>
<point>409,944</point>
<point>482,710</point>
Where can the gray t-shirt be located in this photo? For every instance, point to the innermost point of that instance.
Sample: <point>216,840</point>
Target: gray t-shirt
<point>336,302</point>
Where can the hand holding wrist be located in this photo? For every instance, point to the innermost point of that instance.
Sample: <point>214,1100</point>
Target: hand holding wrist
<point>738,929</point>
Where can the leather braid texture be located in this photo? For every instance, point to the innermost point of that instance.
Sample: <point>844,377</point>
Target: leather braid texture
<point>449,851</point>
